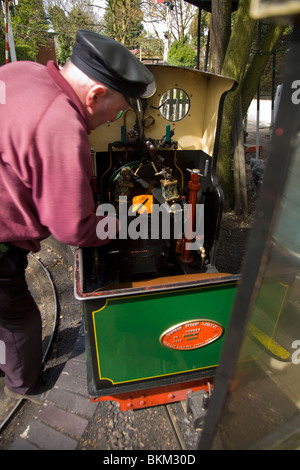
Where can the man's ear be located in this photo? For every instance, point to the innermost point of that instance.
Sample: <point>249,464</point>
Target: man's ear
<point>94,94</point>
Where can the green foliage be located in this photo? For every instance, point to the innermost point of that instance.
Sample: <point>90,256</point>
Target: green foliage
<point>66,26</point>
<point>24,52</point>
<point>30,28</point>
<point>182,54</point>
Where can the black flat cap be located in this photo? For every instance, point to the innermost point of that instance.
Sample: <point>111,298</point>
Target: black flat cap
<point>109,62</point>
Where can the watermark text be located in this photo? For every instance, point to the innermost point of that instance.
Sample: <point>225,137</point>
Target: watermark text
<point>296,93</point>
<point>2,92</point>
<point>162,223</point>
<point>296,354</point>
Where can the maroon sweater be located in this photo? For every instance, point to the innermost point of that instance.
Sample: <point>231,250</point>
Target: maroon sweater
<point>45,162</point>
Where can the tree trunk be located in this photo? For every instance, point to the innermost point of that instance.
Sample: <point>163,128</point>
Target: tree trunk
<point>220,33</point>
<point>237,55</point>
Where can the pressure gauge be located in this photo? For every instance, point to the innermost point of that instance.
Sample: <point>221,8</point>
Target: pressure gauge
<point>150,90</point>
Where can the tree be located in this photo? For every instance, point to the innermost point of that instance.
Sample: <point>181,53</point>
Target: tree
<point>151,47</point>
<point>123,21</point>
<point>180,12</point>
<point>200,44</point>
<point>193,30</point>
<point>30,29</point>
<point>182,54</point>
<point>235,66</point>
<point>220,33</point>
<point>66,23</point>
<point>183,14</point>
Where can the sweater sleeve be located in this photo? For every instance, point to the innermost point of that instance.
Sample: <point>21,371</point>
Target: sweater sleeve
<point>61,168</point>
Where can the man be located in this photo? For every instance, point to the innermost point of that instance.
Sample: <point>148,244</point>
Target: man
<point>45,174</point>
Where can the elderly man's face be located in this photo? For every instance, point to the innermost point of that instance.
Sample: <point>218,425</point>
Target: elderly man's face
<point>106,108</point>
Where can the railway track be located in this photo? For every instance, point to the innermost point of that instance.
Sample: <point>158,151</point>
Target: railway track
<point>43,291</point>
<point>186,435</point>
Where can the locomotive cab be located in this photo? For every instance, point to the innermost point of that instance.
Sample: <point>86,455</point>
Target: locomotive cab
<point>144,165</point>
<point>156,172</point>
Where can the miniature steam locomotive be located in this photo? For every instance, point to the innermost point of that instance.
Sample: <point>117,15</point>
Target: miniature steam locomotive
<point>156,309</point>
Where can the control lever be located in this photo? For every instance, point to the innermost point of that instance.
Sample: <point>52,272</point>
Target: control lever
<point>205,173</point>
<point>194,187</point>
<point>155,158</point>
<point>161,105</point>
